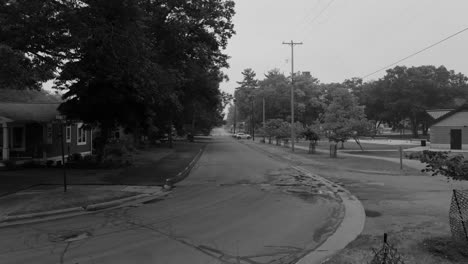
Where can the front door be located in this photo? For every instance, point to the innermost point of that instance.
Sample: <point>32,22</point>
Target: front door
<point>455,139</point>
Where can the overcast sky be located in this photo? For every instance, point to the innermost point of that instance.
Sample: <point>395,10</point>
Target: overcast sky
<point>345,38</point>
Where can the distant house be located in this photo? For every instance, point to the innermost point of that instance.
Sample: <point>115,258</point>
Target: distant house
<point>33,131</point>
<point>450,128</point>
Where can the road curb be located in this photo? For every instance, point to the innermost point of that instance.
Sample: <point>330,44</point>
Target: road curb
<point>105,205</point>
<point>9,218</point>
<point>185,172</point>
<point>350,227</point>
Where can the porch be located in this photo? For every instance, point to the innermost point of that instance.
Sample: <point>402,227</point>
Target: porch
<point>21,141</point>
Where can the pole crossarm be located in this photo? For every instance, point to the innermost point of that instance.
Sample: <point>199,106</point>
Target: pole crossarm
<point>292,44</point>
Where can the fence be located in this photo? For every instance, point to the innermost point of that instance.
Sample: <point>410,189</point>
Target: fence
<point>458,216</point>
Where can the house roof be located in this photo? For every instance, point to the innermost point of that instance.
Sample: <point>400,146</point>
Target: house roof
<point>450,113</point>
<point>437,113</point>
<point>29,112</point>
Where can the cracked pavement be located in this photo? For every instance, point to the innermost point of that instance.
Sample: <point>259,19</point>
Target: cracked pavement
<point>237,206</point>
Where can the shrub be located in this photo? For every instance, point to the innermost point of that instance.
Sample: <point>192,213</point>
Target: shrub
<point>443,163</point>
<point>76,157</point>
<point>414,155</point>
<point>117,155</point>
<point>49,163</point>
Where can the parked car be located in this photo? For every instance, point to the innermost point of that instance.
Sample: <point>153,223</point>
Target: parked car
<point>242,136</point>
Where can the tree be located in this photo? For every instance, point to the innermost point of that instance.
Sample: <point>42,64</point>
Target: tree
<point>344,118</point>
<point>277,128</point>
<point>245,94</point>
<point>275,89</point>
<point>406,93</point>
<point>283,132</point>
<point>34,37</point>
<point>271,126</point>
<point>311,133</point>
<point>139,62</point>
<point>298,129</point>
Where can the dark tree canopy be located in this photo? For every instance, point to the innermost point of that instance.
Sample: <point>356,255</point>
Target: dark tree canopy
<point>141,63</point>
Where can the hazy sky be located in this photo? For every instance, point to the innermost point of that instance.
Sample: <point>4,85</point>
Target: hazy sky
<point>351,38</point>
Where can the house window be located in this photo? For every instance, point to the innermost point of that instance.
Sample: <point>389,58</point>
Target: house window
<point>81,135</point>
<point>68,134</point>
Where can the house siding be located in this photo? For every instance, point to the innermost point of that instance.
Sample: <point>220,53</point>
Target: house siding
<point>440,136</point>
<point>55,149</point>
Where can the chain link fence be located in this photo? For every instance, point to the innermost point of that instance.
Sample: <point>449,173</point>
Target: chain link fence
<point>458,216</point>
<point>387,254</point>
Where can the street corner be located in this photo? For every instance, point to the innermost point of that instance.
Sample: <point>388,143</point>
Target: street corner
<point>350,227</point>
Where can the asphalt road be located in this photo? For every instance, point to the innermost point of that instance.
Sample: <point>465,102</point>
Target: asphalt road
<point>231,209</point>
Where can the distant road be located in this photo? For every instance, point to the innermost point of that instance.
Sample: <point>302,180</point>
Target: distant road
<point>219,132</point>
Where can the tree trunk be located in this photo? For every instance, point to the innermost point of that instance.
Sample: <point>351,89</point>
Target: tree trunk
<point>425,128</point>
<point>359,143</point>
<point>414,130</point>
<point>170,136</point>
<point>414,126</point>
<point>269,140</point>
<point>342,144</point>
<point>333,150</point>
<point>312,147</point>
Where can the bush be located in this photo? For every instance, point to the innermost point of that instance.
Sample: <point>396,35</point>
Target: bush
<point>90,159</point>
<point>117,155</point>
<point>76,157</point>
<point>414,155</point>
<point>49,163</point>
<point>443,163</point>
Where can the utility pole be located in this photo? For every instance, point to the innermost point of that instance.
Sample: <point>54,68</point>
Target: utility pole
<point>292,44</point>
<point>235,113</point>
<point>264,130</point>
<point>252,121</point>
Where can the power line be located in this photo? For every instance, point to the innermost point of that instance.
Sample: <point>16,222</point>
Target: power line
<point>416,53</point>
<point>309,11</point>
<point>316,17</point>
<point>321,11</point>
